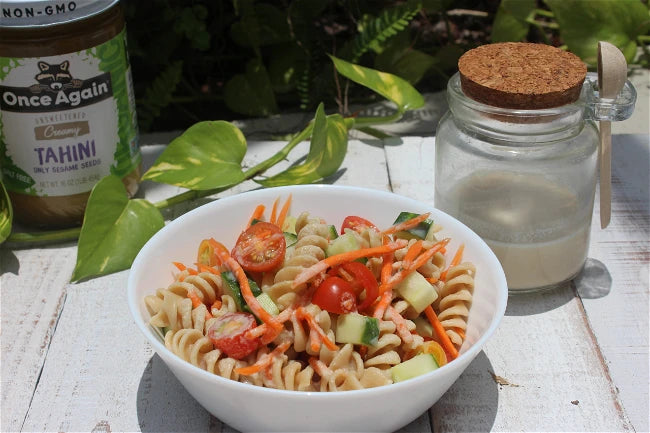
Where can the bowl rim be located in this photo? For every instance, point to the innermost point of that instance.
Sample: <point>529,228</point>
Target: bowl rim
<point>467,355</point>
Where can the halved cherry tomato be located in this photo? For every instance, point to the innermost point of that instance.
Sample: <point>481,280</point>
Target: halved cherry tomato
<point>207,255</point>
<point>228,334</point>
<point>356,223</point>
<point>435,349</point>
<point>260,247</point>
<point>335,295</point>
<point>365,280</point>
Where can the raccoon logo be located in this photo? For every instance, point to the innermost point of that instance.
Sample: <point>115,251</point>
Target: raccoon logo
<point>53,78</point>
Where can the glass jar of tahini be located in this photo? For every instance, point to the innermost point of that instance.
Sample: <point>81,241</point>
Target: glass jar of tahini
<point>517,157</point>
<point>67,114</point>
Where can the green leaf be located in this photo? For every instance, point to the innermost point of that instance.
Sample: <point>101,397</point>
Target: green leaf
<point>584,23</point>
<point>159,94</point>
<point>114,229</point>
<point>387,85</point>
<point>374,32</point>
<point>251,93</point>
<point>329,143</point>
<point>208,155</point>
<point>410,64</point>
<point>510,22</point>
<point>6,213</point>
<point>261,24</point>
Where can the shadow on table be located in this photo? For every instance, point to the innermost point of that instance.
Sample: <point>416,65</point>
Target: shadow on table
<point>477,387</point>
<point>163,404</point>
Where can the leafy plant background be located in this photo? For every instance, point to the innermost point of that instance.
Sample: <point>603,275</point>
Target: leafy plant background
<point>228,59</point>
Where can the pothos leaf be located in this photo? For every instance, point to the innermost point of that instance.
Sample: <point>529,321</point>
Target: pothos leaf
<point>115,228</point>
<point>387,85</point>
<point>510,22</point>
<point>329,142</point>
<point>583,24</point>
<point>6,213</point>
<point>251,93</point>
<point>208,155</point>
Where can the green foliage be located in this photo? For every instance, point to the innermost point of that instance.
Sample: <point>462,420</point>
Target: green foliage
<point>114,230</point>
<point>6,213</point>
<point>224,59</point>
<point>159,94</point>
<point>374,32</point>
<point>329,143</point>
<point>510,23</point>
<point>583,24</point>
<point>208,155</point>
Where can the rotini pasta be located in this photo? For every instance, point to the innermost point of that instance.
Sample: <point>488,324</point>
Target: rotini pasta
<point>318,322</point>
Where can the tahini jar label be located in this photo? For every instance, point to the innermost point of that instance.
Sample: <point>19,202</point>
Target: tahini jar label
<point>68,120</point>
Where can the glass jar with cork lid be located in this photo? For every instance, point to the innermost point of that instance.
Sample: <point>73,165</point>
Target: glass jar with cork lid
<point>517,157</point>
<point>67,115</point>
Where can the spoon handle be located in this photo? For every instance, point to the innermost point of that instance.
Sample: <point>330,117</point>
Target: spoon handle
<point>605,158</point>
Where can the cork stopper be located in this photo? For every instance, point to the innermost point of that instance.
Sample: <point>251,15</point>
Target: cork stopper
<point>521,75</point>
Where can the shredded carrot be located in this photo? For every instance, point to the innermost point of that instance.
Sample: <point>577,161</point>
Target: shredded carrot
<point>311,321</point>
<point>440,332</point>
<point>181,267</point>
<point>419,261</point>
<point>257,214</point>
<point>216,305</point>
<point>196,302</point>
<point>283,212</point>
<point>349,256</point>
<point>432,280</point>
<point>400,324</point>
<point>412,253</point>
<point>319,366</point>
<point>383,303</point>
<point>426,256</point>
<point>245,287</point>
<point>406,225</point>
<point>204,268</point>
<point>315,341</point>
<point>262,329</point>
<point>264,361</point>
<point>454,262</point>
<point>460,332</point>
<point>274,210</point>
<point>363,351</point>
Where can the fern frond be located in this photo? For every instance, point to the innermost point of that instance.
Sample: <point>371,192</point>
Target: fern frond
<point>377,31</point>
<point>158,94</point>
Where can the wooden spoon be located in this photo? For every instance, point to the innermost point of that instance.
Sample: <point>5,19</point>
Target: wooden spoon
<point>612,73</point>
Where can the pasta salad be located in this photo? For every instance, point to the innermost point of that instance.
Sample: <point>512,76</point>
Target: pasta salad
<point>299,304</point>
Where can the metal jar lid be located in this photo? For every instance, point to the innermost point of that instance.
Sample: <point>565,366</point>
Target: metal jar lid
<point>42,13</point>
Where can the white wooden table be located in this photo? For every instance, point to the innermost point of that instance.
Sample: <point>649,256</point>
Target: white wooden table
<point>574,359</point>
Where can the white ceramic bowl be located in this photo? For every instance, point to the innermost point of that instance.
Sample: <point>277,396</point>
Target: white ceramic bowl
<point>251,408</point>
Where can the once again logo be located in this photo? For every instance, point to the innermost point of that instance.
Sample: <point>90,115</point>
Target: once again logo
<point>56,90</point>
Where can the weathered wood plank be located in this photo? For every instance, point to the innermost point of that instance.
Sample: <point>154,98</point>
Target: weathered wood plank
<point>33,293</point>
<point>614,286</point>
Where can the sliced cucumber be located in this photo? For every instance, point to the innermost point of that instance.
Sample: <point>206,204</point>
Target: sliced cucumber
<point>231,287</point>
<point>290,238</point>
<point>357,329</point>
<point>333,233</point>
<point>343,244</point>
<point>417,291</point>
<point>418,232</point>
<point>423,327</point>
<point>289,224</point>
<point>267,303</point>
<point>416,366</point>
